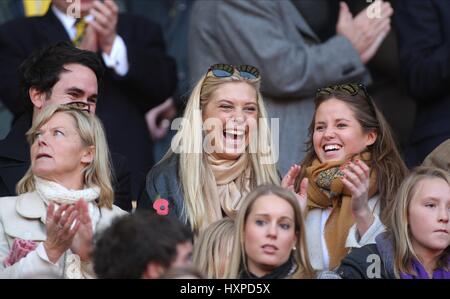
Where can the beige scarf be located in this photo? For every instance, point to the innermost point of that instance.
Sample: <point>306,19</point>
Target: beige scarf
<point>325,189</point>
<point>232,181</point>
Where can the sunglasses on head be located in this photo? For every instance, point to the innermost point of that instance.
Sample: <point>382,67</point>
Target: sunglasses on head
<point>83,106</point>
<point>222,70</point>
<point>349,88</point>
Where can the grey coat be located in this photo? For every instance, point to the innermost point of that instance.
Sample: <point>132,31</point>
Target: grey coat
<point>274,37</point>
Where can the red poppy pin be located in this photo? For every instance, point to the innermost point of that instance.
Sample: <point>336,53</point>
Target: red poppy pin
<point>161,206</point>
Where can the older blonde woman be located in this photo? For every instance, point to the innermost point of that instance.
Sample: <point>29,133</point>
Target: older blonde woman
<point>221,152</point>
<point>64,198</point>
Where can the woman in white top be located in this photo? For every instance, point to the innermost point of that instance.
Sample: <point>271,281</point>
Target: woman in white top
<point>351,172</point>
<point>64,198</point>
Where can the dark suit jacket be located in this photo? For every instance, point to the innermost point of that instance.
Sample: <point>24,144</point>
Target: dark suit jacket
<point>123,101</point>
<point>423,30</point>
<point>15,161</point>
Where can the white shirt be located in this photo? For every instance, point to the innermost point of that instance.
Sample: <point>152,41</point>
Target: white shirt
<point>315,230</point>
<point>117,59</point>
<point>323,220</point>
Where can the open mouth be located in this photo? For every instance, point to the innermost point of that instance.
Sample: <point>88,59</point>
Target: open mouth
<point>233,137</point>
<point>39,156</point>
<point>331,147</point>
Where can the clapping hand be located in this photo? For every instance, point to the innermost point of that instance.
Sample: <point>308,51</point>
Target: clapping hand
<point>165,111</point>
<point>61,226</point>
<point>82,242</point>
<point>367,30</point>
<point>357,180</point>
<point>289,181</point>
<point>90,40</point>
<point>105,15</point>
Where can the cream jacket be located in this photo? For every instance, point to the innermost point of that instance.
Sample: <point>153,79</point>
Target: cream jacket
<point>24,217</point>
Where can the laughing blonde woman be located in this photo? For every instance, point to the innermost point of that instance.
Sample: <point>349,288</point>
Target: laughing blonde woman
<point>220,153</point>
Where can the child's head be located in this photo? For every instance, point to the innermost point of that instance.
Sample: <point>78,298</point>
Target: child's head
<point>420,218</point>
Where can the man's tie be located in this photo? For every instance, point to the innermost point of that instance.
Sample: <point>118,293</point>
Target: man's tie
<point>80,26</point>
<point>35,7</point>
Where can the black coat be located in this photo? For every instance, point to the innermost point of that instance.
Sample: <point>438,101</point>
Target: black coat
<point>163,181</point>
<point>423,33</point>
<point>370,261</point>
<point>15,161</point>
<point>123,101</point>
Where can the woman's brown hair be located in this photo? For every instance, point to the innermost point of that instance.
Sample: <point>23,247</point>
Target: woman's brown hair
<point>386,159</point>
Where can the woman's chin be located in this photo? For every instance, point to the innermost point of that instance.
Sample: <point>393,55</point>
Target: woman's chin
<point>42,172</point>
<point>227,155</point>
<point>229,151</point>
<point>331,157</point>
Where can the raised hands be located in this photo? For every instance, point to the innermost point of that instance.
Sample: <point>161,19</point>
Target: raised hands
<point>90,40</point>
<point>69,227</point>
<point>165,111</point>
<point>368,29</point>
<point>104,23</point>
<point>357,180</point>
<point>82,242</point>
<point>288,183</point>
<point>61,226</point>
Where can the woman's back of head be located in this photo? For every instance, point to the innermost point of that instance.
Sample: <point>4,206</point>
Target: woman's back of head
<point>212,249</point>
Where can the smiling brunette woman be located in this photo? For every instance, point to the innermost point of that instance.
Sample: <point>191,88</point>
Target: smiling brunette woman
<point>353,169</point>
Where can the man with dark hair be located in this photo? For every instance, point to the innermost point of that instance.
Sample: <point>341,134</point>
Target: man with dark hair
<point>139,75</point>
<point>140,245</point>
<point>58,74</point>
<point>40,73</point>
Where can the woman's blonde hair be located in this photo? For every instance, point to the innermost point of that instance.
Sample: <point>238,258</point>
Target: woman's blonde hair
<point>238,261</point>
<point>193,169</point>
<point>399,224</point>
<point>182,273</point>
<point>90,130</point>
<point>212,249</point>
